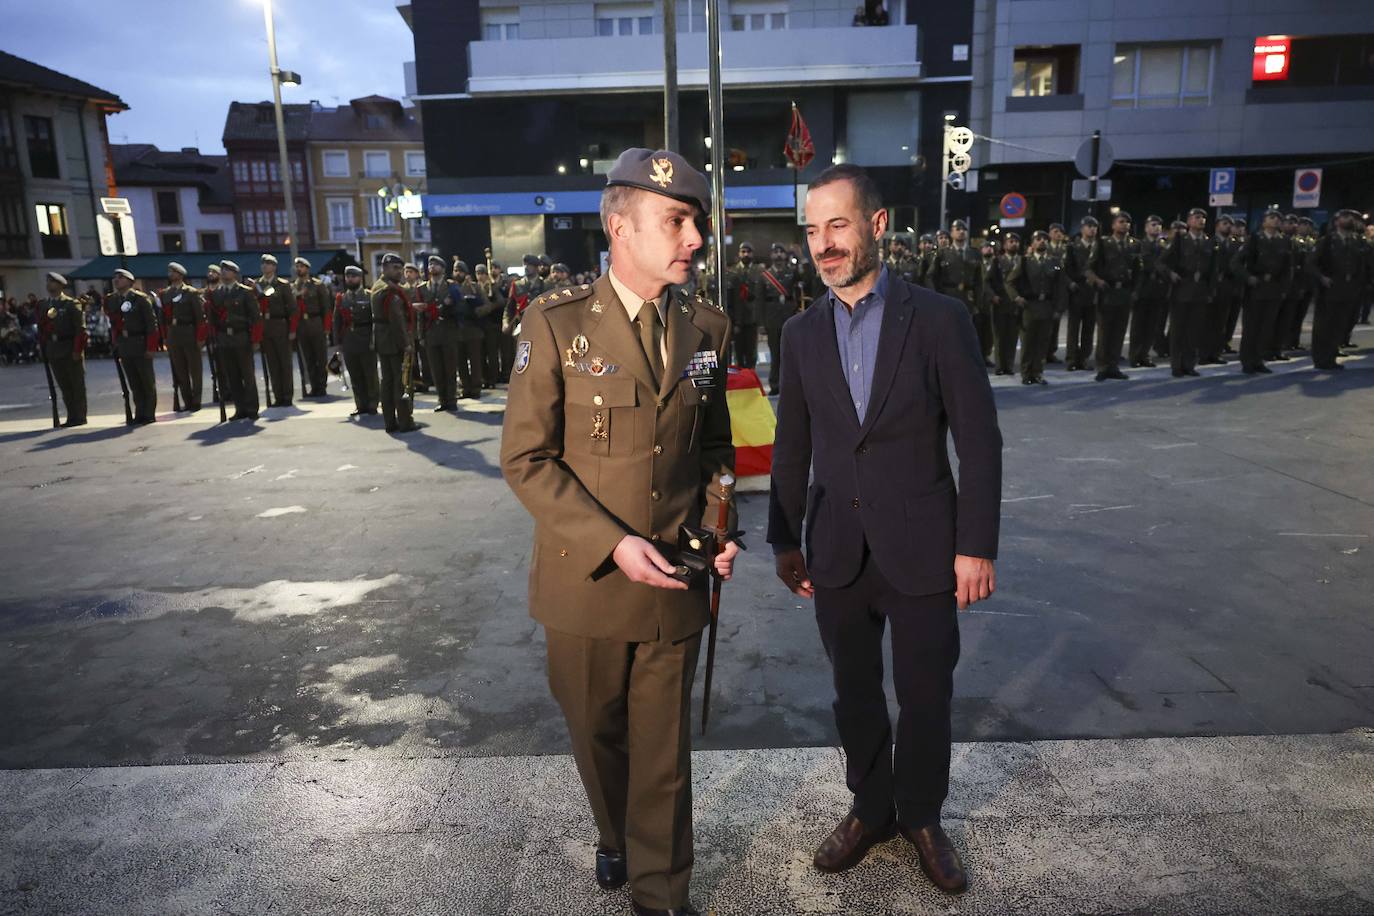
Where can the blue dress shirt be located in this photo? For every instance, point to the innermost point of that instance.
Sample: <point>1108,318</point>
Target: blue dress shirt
<point>856,333</point>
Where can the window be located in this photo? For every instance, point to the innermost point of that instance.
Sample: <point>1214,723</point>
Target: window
<point>240,172</point>
<point>1327,60</point>
<point>279,221</point>
<point>1044,70</point>
<point>14,228</point>
<point>52,230</point>
<point>377,164</point>
<point>172,241</point>
<point>624,19</point>
<point>264,222</point>
<point>501,24</point>
<point>250,223</point>
<point>168,211</point>
<point>335,163</point>
<point>758,15</point>
<point>297,172</point>
<point>42,149</point>
<point>9,156</point>
<point>274,172</point>
<point>882,127</point>
<point>377,216</point>
<point>211,241</point>
<point>259,169</point>
<point>340,217</point>
<point>415,163</point>
<point>1162,76</point>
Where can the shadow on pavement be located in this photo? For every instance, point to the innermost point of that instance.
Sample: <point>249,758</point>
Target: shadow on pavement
<point>97,435</point>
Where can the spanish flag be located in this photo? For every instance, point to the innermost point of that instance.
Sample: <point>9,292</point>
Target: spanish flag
<point>752,423</point>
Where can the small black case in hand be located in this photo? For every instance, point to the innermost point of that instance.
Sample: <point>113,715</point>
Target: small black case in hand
<point>696,548</point>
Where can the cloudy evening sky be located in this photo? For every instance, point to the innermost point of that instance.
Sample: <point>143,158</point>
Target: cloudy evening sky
<point>178,64</point>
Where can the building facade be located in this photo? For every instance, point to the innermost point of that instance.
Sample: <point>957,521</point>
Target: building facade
<point>355,151</point>
<point>1176,88</point>
<point>526,103</point>
<point>181,202</point>
<point>53,171</point>
<point>250,140</point>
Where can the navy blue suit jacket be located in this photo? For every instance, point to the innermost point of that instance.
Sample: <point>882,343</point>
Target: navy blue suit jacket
<point>886,482</point>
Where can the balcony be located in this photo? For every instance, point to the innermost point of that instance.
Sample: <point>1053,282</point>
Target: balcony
<point>628,63</point>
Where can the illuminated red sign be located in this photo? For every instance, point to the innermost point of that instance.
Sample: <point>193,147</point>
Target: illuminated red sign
<point>1272,53</point>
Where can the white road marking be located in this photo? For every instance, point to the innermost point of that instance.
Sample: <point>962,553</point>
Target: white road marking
<point>252,470</point>
<point>1173,445</point>
<point>1309,534</point>
<point>1085,510</point>
<point>280,510</point>
<point>1021,499</point>
<point>288,475</point>
<point>346,467</point>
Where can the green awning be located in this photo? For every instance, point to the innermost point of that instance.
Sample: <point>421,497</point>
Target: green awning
<point>154,266</point>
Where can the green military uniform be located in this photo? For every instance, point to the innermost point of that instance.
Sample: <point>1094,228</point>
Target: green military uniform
<point>134,325</point>
<point>315,307</point>
<point>1038,280</point>
<point>777,293</point>
<point>1118,269</point>
<point>1302,289</point>
<point>394,342</point>
<point>63,328</point>
<point>183,313</point>
<point>954,271</point>
<point>352,327</point>
<point>280,313</point>
<point>520,293</point>
<point>1147,312</point>
<point>741,304</point>
<point>498,343</point>
<point>235,326</point>
<point>1006,314</point>
<point>1265,265</point>
<point>599,445</point>
<point>1339,261</point>
<point>1080,257</point>
<point>1229,295</point>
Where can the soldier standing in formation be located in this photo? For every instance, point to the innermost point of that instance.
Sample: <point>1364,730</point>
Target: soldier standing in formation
<point>1080,257</point>
<point>1057,248</point>
<point>1152,296</point>
<point>236,326</point>
<point>1192,264</point>
<point>954,271</point>
<point>312,328</point>
<point>617,434</point>
<point>741,295</point>
<point>471,308</point>
<point>1301,233</point>
<point>435,308</point>
<point>1226,290</point>
<point>1239,234</point>
<point>421,375</point>
<point>1006,314</point>
<point>279,314</point>
<point>498,344</point>
<point>902,262</point>
<point>1264,264</point>
<point>353,335</point>
<point>1340,263</point>
<point>1117,274</point>
<point>391,317</point>
<point>62,335</point>
<point>778,294</point>
<point>134,326</point>
<point>1036,284</point>
<point>183,313</point>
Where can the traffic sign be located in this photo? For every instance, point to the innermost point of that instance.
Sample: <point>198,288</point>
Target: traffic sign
<point>113,205</point>
<point>1083,159</point>
<point>959,139</point>
<point>116,235</point>
<point>1080,188</point>
<point>960,162</point>
<point>1307,187</point>
<point>1012,205</point>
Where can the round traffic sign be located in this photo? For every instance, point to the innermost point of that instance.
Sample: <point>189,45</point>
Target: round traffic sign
<point>960,139</point>
<point>1012,205</point>
<point>960,162</point>
<point>1308,181</point>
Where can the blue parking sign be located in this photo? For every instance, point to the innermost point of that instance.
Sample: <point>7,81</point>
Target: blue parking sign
<point>1223,181</point>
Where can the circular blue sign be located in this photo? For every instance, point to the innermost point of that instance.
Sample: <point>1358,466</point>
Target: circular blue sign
<point>1013,205</point>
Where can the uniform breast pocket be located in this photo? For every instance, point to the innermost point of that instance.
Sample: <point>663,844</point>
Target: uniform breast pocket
<point>600,413</point>
<point>695,402</point>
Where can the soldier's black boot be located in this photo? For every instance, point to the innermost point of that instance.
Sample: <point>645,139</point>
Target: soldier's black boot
<point>610,869</point>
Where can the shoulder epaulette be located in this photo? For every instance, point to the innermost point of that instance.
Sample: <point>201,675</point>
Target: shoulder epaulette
<point>562,296</point>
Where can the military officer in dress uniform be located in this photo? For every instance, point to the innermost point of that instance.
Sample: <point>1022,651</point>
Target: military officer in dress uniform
<point>236,327</point>
<point>1035,284</point>
<point>471,307</point>
<point>1265,265</point>
<point>352,327</point>
<point>183,314</point>
<point>525,289</point>
<point>1080,257</point>
<point>1116,274</point>
<point>134,326</point>
<point>1191,263</point>
<point>434,306</point>
<point>616,434</point>
<point>1302,289</point>
<point>1152,299</point>
<point>1228,290</point>
<point>421,376</point>
<point>741,303</point>
<point>280,313</point>
<point>559,277</point>
<point>777,290</point>
<point>391,318</point>
<point>1239,236</point>
<point>1339,262</point>
<point>62,334</point>
<point>901,261</point>
<point>312,327</point>
<point>954,271</point>
<point>1006,314</point>
<point>498,344</point>
<point>1058,249</point>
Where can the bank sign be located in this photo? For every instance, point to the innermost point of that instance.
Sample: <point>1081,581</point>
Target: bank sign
<point>745,197</point>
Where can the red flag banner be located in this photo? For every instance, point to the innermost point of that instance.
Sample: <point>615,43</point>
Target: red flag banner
<point>799,149</point>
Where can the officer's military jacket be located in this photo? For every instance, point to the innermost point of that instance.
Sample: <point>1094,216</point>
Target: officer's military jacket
<point>1342,258</point>
<point>1038,279</point>
<point>1154,281</point>
<point>1080,258</point>
<point>313,298</point>
<point>954,272</point>
<point>1304,279</point>
<point>741,293</point>
<point>352,323</point>
<point>133,323</point>
<point>1227,249</point>
<point>276,298</point>
<point>183,312</point>
<point>235,315</point>
<point>1194,259</point>
<point>596,451</point>
<point>992,283</point>
<point>62,326</point>
<point>778,304</point>
<point>391,317</point>
<point>1268,261</point>
<point>1118,265</point>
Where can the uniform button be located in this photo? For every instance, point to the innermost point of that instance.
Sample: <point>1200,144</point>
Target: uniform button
<point>856,502</point>
<point>597,400</point>
<point>655,538</point>
<point>658,450</point>
<point>705,397</point>
<point>655,495</point>
<point>562,553</point>
<point>863,450</point>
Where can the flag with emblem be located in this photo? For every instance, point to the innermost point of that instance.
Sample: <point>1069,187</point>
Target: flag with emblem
<point>799,149</point>
<point>752,423</point>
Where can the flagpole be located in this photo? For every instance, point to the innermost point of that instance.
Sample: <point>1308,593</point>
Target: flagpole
<point>717,118</point>
<point>796,170</point>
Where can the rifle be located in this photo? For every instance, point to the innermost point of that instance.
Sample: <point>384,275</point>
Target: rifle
<point>211,353</point>
<point>727,495</point>
<point>300,357</point>
<point>52,387</point>
<point>167,345</point>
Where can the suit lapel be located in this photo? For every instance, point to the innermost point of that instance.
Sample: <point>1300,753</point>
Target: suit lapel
<point>610,330</point>
<point>684,339</point>
<point>892,336</point>
<point>831,372</point>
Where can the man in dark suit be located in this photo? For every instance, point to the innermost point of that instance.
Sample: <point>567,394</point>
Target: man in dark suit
<point>875,377</point>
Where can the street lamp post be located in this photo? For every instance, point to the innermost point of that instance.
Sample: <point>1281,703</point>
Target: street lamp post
<point>278,77</point>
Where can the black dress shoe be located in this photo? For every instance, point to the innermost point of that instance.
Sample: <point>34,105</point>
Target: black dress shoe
<point>939,859</point>
<point>1101,377</point>
<point>1280,358</point>
<point>1040,380</point>
<point>1071,367</point>
<point>685,910</point>
<point>1149,364</point>
<point>70,423</point>
<point>1027,381</point>
<point>1178,373</point>
<point>356,413</point>
<point>610,869</point>
<point>1229,350</point>
<point>441,408</point>
<point>849,842</point>
<point>1193,372</point>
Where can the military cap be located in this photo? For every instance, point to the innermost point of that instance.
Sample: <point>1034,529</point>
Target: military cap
<point>411,266</point>
<point>777,246</point>
<point>269,259</point>
<point>1241,222</point>
<point>1307,220</point>
<point>212,270</point>
<point>927,236</point>
<point>1274,211</point>
<point>1012,235</point>
<point>940,232</point>
<point>1346,211</point>
<point>1178,224</point>
<point>121,272</point>
<point>1225,218</point>
<point>229,265</point>
<point>531,260</point>
<point>57,277</point>
<point>958,224</point>
<point>1154,218</point>
<point>1292,216</point>
<point>435,259</point>
<point>391,257</point>
<point>560,267</point>
<point>300,260</point>
<point>1039,234</point>
<point>353,269</point>
<point>545,261</point>
<point>1197,211</point>
<point>1059,226</point>
<point>461,267</point>
<point>481,268</point>
<point>662,172</point>
<point>1088,221</point>
<point>1122,214</point>
<point>745,245</point>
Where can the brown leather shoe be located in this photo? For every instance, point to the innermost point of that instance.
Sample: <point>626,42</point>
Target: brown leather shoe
<point>939,859</point>
<point>849,842</point>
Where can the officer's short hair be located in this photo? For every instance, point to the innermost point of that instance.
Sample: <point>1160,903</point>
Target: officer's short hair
<point>616,198</point>
<point>866,193</point>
